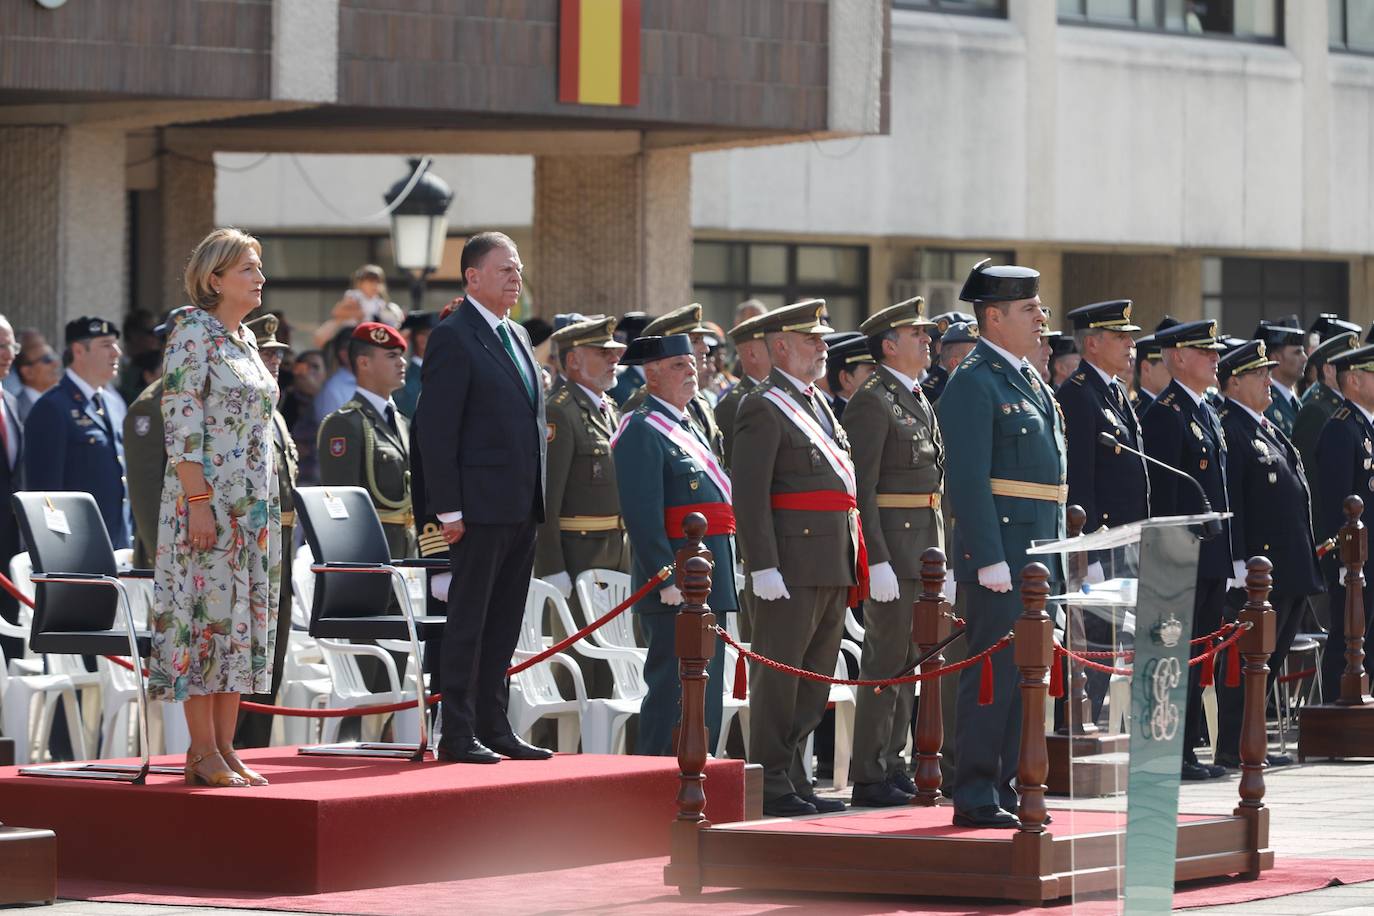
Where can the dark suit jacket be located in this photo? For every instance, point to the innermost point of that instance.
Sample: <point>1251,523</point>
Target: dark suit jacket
<point>1345,466</point>
<point>1111,485</point>
<point>11,481</point>
<point>482,437</point>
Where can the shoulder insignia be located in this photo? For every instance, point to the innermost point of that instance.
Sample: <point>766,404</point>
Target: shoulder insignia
<point>338,446</point>
<point>142,425</point>
<point>1341,413</point>
<point>561,396</point>
<point>431,540</point>
<point>872,381</point>
<point>1078,378</point>
<point>551,432</point>
<point>1166,399</point>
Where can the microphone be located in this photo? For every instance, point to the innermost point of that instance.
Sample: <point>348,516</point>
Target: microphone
<point>1210,528</point>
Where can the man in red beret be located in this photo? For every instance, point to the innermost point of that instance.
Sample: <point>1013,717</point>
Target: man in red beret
<point>366,442</point>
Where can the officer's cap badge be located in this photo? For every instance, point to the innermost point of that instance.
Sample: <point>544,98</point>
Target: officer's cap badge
<point>338,445</point>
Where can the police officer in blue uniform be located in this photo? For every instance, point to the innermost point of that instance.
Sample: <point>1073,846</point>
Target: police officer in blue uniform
<point>77,445</point>
<point>666,469</point>
<point>1272,506</point>
<point>1005,460</point>
<point>1323,397</point>
<point>1345,466</point>
<point>1287,347</point>
<point>1183,431</point>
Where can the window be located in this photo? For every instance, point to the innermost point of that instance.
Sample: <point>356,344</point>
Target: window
<point>1351,25</point>
<point>776,273</point>
<point>1238,292</point>
<point>1251,20</point>
<point>937,275</point>
<point>966,7</point>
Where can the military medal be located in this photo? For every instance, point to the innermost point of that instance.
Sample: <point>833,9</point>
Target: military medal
<point>1273,478</point>
<point>1006,409</point>
<point>1202,464</point>
<point>142,425</point>
<point>694,483</point>
<point>597,472</point>
<point>815,458</point>
<point>1197,430</point>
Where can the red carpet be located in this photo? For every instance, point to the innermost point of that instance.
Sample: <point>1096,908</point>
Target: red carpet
<point>637,887</point>
<point>914,821</point>
<point>339,823</point>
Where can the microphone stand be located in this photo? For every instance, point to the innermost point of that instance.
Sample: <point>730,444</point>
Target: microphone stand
<point>1210,528</point>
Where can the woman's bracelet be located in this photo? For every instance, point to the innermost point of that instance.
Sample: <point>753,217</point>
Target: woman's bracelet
<point>199,497</point>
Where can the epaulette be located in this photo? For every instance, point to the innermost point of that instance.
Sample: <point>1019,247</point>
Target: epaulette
<point>872,381</point>
<point>1078,378</point>
<point>1341,413</point>
<point>1167,399</point>
<point>431,540</point>
<point>973,359</point>
<point>561,396</point>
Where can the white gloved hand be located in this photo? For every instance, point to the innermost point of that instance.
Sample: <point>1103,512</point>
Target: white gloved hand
<point>561,581</point>
<point>768,585</point>
<point>438,586</point>
<point>1238,574</point>
<point>670,596</point>
<point>1340,576</point>
<point>951,587</point>
<point>1095,574</point>
<point>995,578</point>
<point>882,583</point>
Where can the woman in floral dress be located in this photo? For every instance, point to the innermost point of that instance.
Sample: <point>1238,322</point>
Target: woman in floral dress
<point>220,524</point>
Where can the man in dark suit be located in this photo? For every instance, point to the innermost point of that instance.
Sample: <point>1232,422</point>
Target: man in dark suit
<point>11,454</point>
<point>83,446</point>
<point>1183,431</point>
<point>481,414</point>
<point>1272,506</point>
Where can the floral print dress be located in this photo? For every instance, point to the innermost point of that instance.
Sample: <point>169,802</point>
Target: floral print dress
<point>215,622</point>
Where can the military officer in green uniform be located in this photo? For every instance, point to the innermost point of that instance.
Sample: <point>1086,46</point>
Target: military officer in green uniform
<point>899,462</point>
<point>255,730</point>
<point>687,320</point>
<point>366,442</point>
<point>1006,464</point>
<point>1321,399</point>
<point>798,524</point>
<point>582,527</point>
<point>754,364</point>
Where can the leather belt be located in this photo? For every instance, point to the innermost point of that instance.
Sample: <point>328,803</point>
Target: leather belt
<point>399,517</point>
<point>585,523</point>
<point>908,500</point>
<point>1020,489</point>
<point>288,519</point>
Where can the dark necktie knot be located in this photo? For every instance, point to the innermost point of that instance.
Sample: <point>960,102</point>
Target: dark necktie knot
<point>391,417</point>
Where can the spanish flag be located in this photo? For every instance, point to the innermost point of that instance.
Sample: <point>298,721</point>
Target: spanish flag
<point>598,52</point>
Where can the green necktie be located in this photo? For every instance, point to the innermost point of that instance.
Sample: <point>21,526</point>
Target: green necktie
<point>504,334</point>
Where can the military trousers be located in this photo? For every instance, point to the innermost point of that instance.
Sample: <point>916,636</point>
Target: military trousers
<point>882,721</point>
<point>989,736</point>
<point>662,706</point>
<point>1209,608</point>
<point>1288,611</point>
<point>803,631</point>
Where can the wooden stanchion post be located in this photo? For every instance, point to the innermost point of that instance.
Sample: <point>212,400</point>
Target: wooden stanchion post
<point>1255,646</point>
<point>1034,652</point>
<point>1354,550</point>
<point>930,624</point>
<point>695,646</point>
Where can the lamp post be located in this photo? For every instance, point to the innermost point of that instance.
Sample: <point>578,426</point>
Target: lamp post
<point>419,226</point>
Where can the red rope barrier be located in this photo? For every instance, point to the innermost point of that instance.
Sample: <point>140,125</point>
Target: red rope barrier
<point>1238,629</point>
<point>1297,675</point>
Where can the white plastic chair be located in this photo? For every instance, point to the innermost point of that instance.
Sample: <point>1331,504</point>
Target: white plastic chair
<point>534,694</point>
<point>732,708</point>
<point>348,690</point>
<point>842,700</point>
<point>603,723</point>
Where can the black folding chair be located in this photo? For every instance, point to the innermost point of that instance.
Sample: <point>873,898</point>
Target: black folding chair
<point>71,552</point>
<point>345,535</point>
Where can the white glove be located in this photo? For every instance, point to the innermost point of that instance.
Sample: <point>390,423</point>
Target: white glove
<point>768,585</point>
<point>995,578</point>
<point>670,596</point>
<point>882,583</point>
<point>951,587</point>
<point>561,581</point>
<point>1238,574</point>
<point>438,586</point>
<point>1340,576</point>
<point>1095,574</point>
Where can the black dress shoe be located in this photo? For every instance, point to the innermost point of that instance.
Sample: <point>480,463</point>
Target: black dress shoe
<point>823,805</point>
<point>902,781</point>
<point>511,746</point>
<point>1278,760</point>
<point>1232,761</point>
<point>1214,771</point>
<point>878,795</point>
<point>991,816</point>
<point>789,805</point>
<point>1195,772</point>
<point>465,750</point>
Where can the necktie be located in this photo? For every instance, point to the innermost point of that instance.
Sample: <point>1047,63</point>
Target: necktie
<point>691,428</point>
<point>391,418</point>
<point>99,403</point>
<point>506,342</point>
<point>1033,379</point>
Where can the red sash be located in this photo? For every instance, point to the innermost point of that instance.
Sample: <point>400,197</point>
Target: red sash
<point>720,518</point>
<point>833,501</point>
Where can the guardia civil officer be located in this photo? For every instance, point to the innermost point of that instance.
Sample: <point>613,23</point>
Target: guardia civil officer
<point>957,342</point>
<point>666,471</point>
<point>687,320</point>
<point>366,443</point>
<point>1323,329</point>
<point>755,364</point>
<point>795,491</point>
<point>1183,431</point>
<point>1110,484</point>
<point>1272,515</point>
<point>1287,347</point>
<point>76,444</point>
<point>1322,398</point>
<point>1005,480</point>
<point>942,363</point>
<point>1345,466</point>
<point>628,378</point>
<point>582,529</point>
<point>899,464</point>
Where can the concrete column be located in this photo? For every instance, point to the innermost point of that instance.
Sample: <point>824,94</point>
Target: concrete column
<point>612,233</point>
<point>186,194</point>
<point>1305,33</point>
<point>1050,263</point>
<point>62,229</point>
<point>1039,24</point>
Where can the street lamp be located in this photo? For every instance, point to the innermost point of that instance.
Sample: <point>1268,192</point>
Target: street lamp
<point>419,226</point>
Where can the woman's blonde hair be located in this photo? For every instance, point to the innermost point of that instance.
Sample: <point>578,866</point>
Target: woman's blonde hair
<point>217,252</point>
<point>373,271</point>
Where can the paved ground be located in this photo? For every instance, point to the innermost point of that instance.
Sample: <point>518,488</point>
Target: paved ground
<point>1319,809</point>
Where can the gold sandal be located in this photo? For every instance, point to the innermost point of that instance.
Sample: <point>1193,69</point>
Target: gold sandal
<point>219,779</point>
<point>253,777</point>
